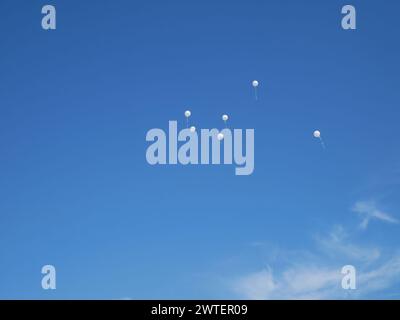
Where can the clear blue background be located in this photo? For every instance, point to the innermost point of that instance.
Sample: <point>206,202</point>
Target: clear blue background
<point>76,103</point>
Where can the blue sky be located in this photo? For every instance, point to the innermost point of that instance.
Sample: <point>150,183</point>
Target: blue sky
<point>76,190</point>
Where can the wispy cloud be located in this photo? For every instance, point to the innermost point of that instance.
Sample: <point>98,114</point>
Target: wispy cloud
<point>258,285</point>
<point>368,211</point>
<point>316,273</point>
<point>338,243</point>
<point>300,282</point>
<point>381,277</point>
<point>309,281</point>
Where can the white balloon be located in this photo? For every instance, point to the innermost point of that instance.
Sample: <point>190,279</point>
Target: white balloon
<point>187,113</point>
<point>255,83</point>
<point>192,129</point>
<point>220,136</point>
<point>225,117</point>
<point>317,134</point>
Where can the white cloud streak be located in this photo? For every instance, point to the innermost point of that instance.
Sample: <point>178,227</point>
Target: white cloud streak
<point>338,243</point>
<point>306,282</point>
<point>368,211</point>
<point>317,275</point>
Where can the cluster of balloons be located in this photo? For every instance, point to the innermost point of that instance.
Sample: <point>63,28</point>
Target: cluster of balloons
<point>225,117</point>
<point>220,135</point>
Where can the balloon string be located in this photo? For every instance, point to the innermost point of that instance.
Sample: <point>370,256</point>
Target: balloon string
<point>322,143</point>
<point>187,122</point>
<point>255,93</point>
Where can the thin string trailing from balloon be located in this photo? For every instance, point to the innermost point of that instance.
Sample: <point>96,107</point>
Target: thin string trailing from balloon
<point>225,118</point>
<point>322,143</point>
<point>220,135</point>
<point>255,84</point>
<point>187,115</point>
<point>317,134</point>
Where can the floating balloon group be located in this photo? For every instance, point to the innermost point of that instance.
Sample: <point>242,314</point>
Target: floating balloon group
<point>255,84</point>
<point>192,129</point>
<point>225,117</point>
